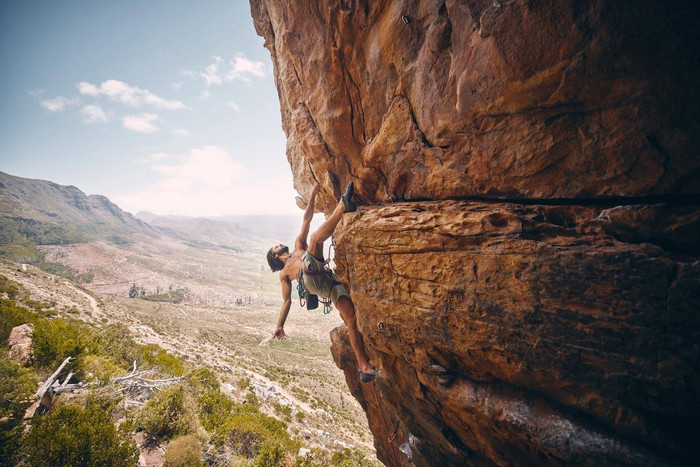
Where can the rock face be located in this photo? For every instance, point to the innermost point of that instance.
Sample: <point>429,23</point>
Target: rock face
<point>21,344</point>
<point>524,263</point>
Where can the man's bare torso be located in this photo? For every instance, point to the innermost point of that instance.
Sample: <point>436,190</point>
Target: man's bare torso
<point>293,265</point>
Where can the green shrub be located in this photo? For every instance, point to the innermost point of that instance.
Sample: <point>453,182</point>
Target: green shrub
<point>203,379</point>
<point>185,451</point>
<point>71,435</point>
<point>11,288</point>
<point>55,339</point>
<point>247,432</point>
<point>214,408</point>
<point>349,458</point>
<point>100,369</point>
<point>167,414</point>
<point>169,363</point>
<point>114,342</point>
<point>271,455</point>
<point>17,388</point>
<point>12,315</point>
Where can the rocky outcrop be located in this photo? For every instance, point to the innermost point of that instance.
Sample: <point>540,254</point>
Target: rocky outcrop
<point>525,259</point>
<point>21,344</point>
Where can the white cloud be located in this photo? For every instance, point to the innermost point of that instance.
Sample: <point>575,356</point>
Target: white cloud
<point>208,182</point>
<point>59,103</point>
<point>243,69</point>
<point>93,114</point>
<point>179,132</point>
<point>128,95</point>
<point>142,123</point>
<point>176,86</point>
<point>205,95</point>
<point>240,68</point>
<point>36,92</point>
<point>234,106</point>
<point>211,73</point>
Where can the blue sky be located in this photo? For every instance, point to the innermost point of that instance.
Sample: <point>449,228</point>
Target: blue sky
<point>164,106</point>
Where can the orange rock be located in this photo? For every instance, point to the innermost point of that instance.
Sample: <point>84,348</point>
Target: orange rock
<point>525,260</point>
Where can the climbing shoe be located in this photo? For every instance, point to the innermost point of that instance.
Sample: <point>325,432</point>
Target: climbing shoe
<point>368,377</point>
<point>347,198</point>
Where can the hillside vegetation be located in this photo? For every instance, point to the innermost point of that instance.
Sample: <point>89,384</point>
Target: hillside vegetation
<point>191,415</point>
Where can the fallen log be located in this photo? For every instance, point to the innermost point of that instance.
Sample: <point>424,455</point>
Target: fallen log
<point>49,382</point>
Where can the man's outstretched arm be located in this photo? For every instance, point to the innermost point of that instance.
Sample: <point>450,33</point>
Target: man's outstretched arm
<point>300,242</point>
<point>287,297</point>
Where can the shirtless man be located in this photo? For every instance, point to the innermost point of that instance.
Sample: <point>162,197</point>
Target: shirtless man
<point>308,258</point>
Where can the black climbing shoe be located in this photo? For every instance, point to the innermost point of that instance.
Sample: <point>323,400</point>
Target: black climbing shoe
<point>347,198</point>
<point>368,377</point>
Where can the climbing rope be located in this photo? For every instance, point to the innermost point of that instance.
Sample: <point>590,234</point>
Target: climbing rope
<point>392,437</point>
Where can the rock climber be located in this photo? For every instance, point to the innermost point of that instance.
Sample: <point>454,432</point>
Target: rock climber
<point>306,263</point>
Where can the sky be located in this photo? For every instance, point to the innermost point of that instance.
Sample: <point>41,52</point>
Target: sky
<point>162,106</point>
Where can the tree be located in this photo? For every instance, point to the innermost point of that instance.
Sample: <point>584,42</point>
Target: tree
<point>133,291</point>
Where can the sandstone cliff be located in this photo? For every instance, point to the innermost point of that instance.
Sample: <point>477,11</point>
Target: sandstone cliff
<point>525,259</point>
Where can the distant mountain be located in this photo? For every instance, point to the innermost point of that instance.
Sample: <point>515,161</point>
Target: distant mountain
<point>237,232</point>
<point>201,231</point>
<point>48,213</point>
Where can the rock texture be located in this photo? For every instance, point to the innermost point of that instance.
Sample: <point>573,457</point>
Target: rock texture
<point>21,344</point>
<point>525,260</point>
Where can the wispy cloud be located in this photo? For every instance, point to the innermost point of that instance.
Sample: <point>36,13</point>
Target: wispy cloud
<point>59,103</point>
<point>128,95</point>
<point>244,69</point>
<point>143,123</point>
<point>93,114</point>
<point>208,182</point>
<point>179,132</point>
<point>212,73</point>
<point>239,69</point>
<point>234,106</point>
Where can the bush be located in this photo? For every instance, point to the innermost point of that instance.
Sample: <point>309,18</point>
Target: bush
<point>169,363</point>
<point>203,379</point>
<point>71,435</point>
<point>100,369</point>
<point>214,408</point>
<point>271,455</point>
<point>249,433</point>
<point>349,458</point>
<point>55,340</point>
<point>168,414</point>
<point>12,315</point>
<point>114,342</point>
<point>185,451</point>
<point>17,388</point>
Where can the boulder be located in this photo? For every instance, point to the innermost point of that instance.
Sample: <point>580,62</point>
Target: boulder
<point>21,344</point>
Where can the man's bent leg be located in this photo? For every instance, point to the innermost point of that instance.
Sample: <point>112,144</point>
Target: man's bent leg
<point>325,231</point>
<point>347,312</point>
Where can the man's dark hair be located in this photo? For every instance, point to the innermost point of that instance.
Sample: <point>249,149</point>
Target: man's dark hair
<point>275,263</point>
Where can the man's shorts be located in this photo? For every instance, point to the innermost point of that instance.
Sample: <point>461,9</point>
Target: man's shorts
<point>324,285</point>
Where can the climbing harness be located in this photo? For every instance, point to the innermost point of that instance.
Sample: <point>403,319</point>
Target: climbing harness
<point>311,300</point>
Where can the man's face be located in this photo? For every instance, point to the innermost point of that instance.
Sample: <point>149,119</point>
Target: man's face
<point>280,249</point>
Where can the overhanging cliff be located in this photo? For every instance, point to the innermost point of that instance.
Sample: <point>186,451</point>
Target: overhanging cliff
<point>525,259</point>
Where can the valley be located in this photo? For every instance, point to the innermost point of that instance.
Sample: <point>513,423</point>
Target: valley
<point>224,322</point>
